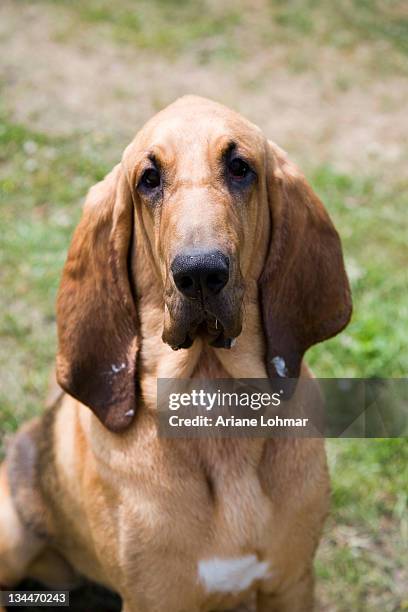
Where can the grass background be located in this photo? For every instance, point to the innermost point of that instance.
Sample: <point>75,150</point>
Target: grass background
<point>53,146</point>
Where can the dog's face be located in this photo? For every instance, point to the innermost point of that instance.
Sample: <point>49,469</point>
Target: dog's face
<point>216,208</point>
<point>199,181</point>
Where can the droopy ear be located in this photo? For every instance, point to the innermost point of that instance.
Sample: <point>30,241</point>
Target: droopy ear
<point>304,289</point>
<point>96,313</point>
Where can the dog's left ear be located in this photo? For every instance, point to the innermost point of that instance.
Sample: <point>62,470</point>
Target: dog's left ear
<point>98,328</point>
<point>305,294</point>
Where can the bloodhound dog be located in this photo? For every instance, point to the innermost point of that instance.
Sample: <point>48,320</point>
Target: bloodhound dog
<point>203,253</point>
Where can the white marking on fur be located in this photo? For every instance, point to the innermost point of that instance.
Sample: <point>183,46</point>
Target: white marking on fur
<point>118,368</point>
<point>231,575</point>
<point>280,366</point>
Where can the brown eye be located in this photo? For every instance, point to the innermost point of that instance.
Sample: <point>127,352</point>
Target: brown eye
<point>238,169</point>
<point>150,178</point>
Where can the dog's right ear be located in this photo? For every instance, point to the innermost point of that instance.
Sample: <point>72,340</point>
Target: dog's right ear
<point>305,294</point>
<point>96,312</point>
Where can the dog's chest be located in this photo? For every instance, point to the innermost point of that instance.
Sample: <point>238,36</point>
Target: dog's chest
<point>235,557</point>
<point>210,524</point>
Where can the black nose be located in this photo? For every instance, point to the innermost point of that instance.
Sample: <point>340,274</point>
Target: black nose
<point>200,275</point>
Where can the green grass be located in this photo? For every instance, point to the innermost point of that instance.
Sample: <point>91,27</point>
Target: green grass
<point>164,26</point>
<point>362,562</point>
<point>345,23</point>
<point>373,224</point>
<point>42,182</point>
<point>232,31</point>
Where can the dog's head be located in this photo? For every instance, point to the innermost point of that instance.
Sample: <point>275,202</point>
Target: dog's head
<point>218,208</point>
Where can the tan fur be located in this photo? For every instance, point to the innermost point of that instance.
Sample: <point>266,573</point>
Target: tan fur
<point>133,511</point>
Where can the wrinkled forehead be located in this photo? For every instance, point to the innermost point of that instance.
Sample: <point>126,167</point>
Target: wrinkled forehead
<point>197,131</point>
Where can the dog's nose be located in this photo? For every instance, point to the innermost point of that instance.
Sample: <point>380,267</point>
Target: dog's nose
<point>200,275</point>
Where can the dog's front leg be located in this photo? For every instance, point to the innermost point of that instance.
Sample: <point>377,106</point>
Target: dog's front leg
<point>18,547</point>
<point>299,597</point>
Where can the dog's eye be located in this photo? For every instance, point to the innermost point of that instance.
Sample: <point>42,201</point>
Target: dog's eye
<point>238,169</point>
<point>150,178</point>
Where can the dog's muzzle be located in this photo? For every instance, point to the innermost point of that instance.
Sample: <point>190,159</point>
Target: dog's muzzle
<point>204,300</point>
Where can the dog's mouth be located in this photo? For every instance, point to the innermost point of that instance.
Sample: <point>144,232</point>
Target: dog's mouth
<point>214,315</point>
<point>210,329</point>
<point>190,322</point>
